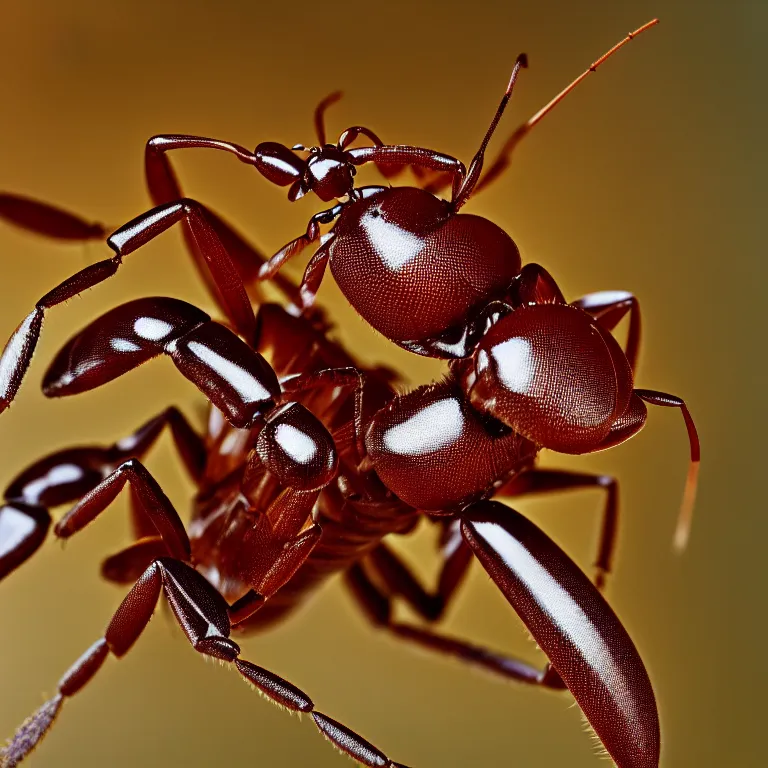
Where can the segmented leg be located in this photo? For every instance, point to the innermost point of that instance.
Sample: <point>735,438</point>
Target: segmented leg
<point>550,481</point>
<point>297,245</point>
<point>203,616</point>
<point>685,517</point>
<point>20,348</point>
<point>164,187</point>
<point>377,606</point>
<point>66,476</point>
<point>155,503</point>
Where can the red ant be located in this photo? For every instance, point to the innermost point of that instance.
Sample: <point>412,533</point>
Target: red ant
<point>282,503</point>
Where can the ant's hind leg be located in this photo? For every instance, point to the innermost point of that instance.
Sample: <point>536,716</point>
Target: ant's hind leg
<point>203,616</point>
<point>126,625</point>
<point>536,481</point>
<point>609,308</point>
<point>376,605</point>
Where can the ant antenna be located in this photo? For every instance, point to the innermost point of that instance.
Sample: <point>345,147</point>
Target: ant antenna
<point>685,516</point>
<point>476,166</point>
<point>501,163</point>
<point>330,99</point>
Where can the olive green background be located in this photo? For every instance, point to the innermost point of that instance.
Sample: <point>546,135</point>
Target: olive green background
<point>648,178</point>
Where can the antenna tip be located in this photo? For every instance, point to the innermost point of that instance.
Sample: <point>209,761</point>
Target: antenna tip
<point>522,60</point>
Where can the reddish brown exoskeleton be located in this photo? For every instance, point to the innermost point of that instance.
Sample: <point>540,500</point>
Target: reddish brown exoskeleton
<point>309,462</point>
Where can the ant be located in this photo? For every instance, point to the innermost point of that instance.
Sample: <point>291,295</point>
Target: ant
<point>301,475</point>
<point>283,501</point>
<point>429,278</point>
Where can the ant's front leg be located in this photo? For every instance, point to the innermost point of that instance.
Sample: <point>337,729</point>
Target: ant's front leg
<point>402,156</point>
<point>295,247</point>
<point>164,187</point>
<point>315,270</point>
<point>20,348</point>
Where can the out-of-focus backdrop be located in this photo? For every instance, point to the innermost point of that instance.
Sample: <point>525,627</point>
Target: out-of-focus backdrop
<point>647,178</point>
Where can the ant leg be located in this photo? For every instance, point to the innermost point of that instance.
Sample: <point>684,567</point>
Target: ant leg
<point>67,475</point>
<point>550,481</point>
<point>534,285</point>
<point>377,607</point>
<point>20,348</point>
<point>23,529</point>
<point>633,420</point>
<point>609,308</point>
<point>123,630</point>
<point>402,156</point>
<point>234,377</point>
<point>399,581</point>
<point>155,503</point>
<point>288,251</point>
<point>127,564</point>
<point>48,220</point>
<point>314,274</point>
<point>430,180</point>
<point>161,178</point>
<point>337,380</point>
<point>164,188</point>
<point>270,551</point>
<point>202,614</point>
<point>226,278</point>
<point>199,608</point>
<point>685,517</point>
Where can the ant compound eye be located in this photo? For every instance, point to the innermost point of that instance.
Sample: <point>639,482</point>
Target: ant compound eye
<point>550,373</point>
<point>296,447</point>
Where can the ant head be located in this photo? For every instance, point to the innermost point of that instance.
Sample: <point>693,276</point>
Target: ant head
<point>328,173</point>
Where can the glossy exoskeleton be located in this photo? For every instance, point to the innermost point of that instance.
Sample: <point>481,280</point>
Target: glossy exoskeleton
<point>309,462</point>
<point>281,506</point>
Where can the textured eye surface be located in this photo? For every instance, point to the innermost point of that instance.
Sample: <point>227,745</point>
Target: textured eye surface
<point>551,374</point>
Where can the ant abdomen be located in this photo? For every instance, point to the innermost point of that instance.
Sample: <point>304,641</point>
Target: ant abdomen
<point>413,269</point>
<point>554,375</point>
<point>431,432</point>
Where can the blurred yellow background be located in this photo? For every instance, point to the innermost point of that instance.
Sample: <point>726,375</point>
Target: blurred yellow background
<point>646,179</point>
